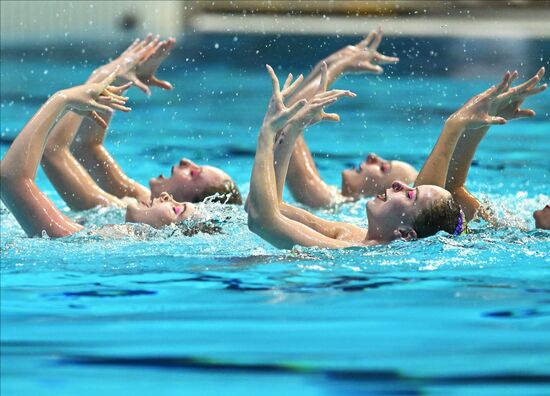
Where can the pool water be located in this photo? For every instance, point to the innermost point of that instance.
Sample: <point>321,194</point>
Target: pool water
<point>228,313</point>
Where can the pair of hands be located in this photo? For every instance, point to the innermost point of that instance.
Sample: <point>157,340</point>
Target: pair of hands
<point>499,103</point>
<point>495,106</point>
<point>97,98</point>
<point>360,58</point>
<point>139,63</point>
<point>304,112</point>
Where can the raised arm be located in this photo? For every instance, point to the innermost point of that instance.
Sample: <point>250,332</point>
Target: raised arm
<point>361,58</point>
<point>312,113</point>
<point>264,213</point>
<point>70,179</point>
<point>138,65</point>
<point>506,106</point>
<point>303,179</point>
<point>32,209</point>
<point>472,117</point>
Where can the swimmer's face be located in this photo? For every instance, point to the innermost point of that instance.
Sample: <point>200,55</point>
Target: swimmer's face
<point>162,211</point>
<point>188,181</point>
<point>542,218</point>
<point>374,176</point>
<point>394,212</point>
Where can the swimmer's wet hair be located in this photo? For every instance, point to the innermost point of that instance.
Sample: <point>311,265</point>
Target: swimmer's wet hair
<point>444,215</point>
<point>226,193</point>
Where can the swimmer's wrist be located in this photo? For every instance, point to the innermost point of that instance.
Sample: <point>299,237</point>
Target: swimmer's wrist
<point>293,128</point>
<point>456,123</point>
<point>101,73</point>
<point>268,128</point>
<point>60,98</point>
<point>266,135</point>
<point>57,105</point>
<point>338,69</point>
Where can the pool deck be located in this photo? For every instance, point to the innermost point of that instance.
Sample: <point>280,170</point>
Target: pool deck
<point>524,24</point>
<point>46,23</point>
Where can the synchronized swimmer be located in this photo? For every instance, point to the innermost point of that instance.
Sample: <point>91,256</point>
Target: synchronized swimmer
<point>67,136</point>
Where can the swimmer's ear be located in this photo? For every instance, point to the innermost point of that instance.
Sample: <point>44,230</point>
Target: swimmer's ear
<point>405,233</point>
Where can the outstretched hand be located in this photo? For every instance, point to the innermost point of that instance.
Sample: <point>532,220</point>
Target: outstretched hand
<point>475,112</point>
<point>508,103</point>
<point>146,69</point>
<point>499,103</point>
<point>93,99</point>
<point>138,52</point>
<point>139,63</point>
<point>313,111</point>
<point>277,113</point>
<point>364,56</point>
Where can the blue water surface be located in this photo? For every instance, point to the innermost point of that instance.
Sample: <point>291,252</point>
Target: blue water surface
<point>229,314</point>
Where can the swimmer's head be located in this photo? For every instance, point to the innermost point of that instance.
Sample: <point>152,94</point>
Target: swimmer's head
<point>542,218</point>
<point>374,176</point>
<point>162,211</point>
<point>402,212</point>
<point>192,183</point>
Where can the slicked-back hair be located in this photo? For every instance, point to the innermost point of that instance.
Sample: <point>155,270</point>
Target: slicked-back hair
<point>442,216</point>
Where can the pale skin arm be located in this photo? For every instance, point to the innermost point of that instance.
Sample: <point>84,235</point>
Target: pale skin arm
<point>310,114</point>
<point>140,63</point>
<point>70,179</point>
<point>303,179</point>
<point>34,211</point>
<point>470,123</point>
<point>435,168</point>
<point>102,167</point>
<point>472,116</point>
<point>264,212</point>
<point>507,107</point>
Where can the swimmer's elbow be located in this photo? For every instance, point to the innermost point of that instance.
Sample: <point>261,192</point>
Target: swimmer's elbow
<point>254,220</point>
<point>54,156</point>
<point>269,229</point>
<point>8,176</point>
<point>312,192</point>
<point>258,223</point>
